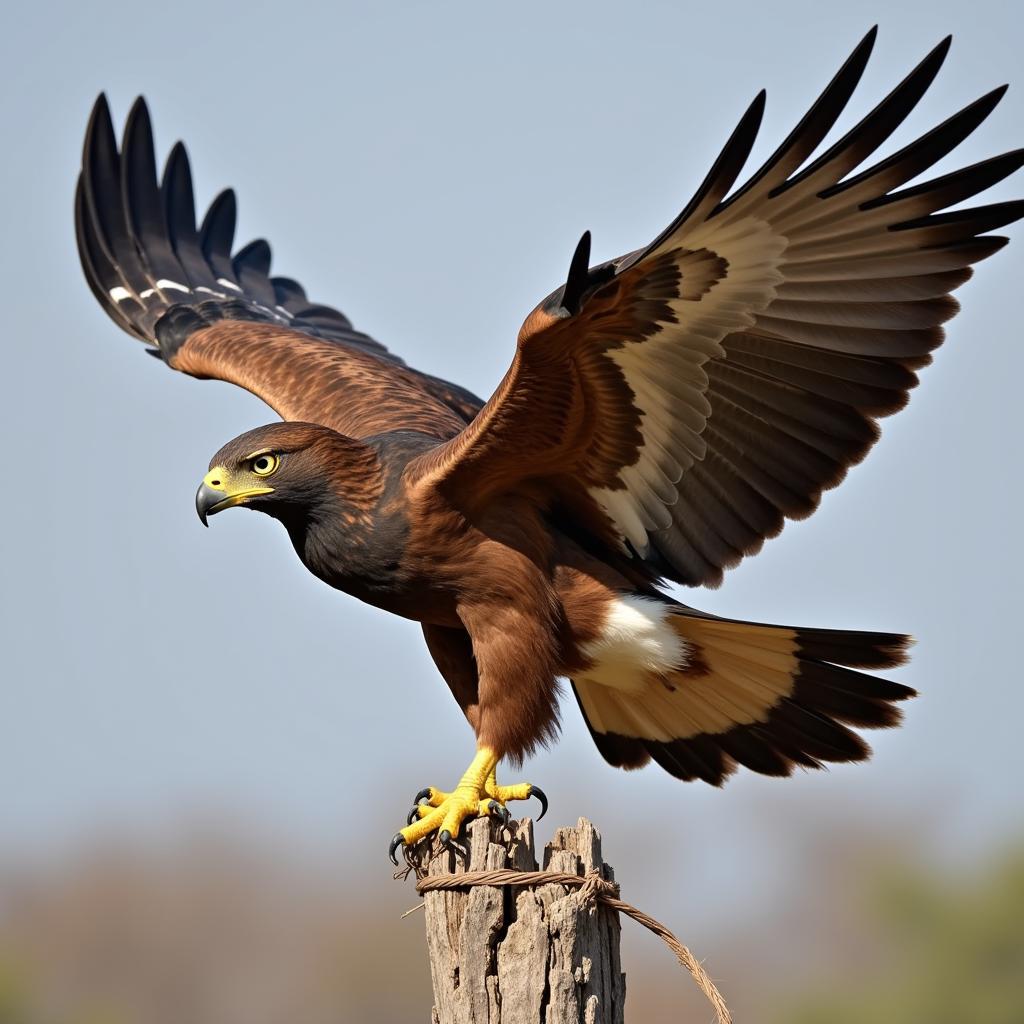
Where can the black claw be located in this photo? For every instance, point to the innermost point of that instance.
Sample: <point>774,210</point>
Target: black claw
<point>539,794</point>
<point>414,815</point>
<point>396,842</point>
<point>496,810</point>
<point>423,794</point>
<point>444,837</point>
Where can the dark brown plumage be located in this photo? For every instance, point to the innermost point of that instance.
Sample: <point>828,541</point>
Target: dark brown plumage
<point>663,416</point>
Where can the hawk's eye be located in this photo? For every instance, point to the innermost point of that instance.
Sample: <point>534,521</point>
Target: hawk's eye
<point>264,465</point>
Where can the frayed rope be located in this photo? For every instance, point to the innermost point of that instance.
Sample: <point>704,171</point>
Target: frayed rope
<point>594,889</point>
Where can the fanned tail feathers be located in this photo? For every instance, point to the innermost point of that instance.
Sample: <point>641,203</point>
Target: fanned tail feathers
<point>769,698</point>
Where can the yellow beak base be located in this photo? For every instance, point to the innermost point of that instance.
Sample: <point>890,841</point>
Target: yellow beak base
<point>216,494</point>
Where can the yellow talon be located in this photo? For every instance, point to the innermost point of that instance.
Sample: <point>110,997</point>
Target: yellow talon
<point>520,791</point>
<point>477,795</point>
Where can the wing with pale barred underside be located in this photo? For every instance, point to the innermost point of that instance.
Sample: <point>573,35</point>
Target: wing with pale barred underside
<point>217,315</point>
<point>686,399</point>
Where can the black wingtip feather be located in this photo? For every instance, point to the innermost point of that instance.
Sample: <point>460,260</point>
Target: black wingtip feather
<point>723,173</point>
<point>100,274</point>
<point>100,177</point>
<point>217,234</point>
<point>814,125</point>
<point>957,185</point>
<point>925,151</point>
<point>157,275</point>
<point>176,184</point>
<point>256,256</point>
<point>289,294</point>
<point>138,117</point>
<point>179,198</point>
<point>973,221</point>
<point>874,128</point>
<point>100,120</point>
<point>142,199</point>
<point>109,228</point>
<point>217,231</point>
<point>578,277</point>
<point>252,268</point>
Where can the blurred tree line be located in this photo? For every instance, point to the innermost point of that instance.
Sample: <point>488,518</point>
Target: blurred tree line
<point>950,953</point>
<point>222,938</point>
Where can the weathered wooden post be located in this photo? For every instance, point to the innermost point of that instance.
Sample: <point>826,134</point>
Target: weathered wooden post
<point>511,944</point>
<point>545,954</point>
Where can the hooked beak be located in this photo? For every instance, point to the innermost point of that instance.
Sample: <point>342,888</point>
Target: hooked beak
<point>216,494</point>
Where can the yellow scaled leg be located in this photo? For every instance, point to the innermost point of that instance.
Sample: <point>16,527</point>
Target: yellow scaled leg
<point>477,794</point>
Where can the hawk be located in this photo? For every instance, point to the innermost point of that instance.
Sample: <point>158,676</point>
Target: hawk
<point>664,414</point>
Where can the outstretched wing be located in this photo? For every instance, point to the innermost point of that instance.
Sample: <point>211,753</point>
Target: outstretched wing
<point>684,400</point>
<point>215,315</point>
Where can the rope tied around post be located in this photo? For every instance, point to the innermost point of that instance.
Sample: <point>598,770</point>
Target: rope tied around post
<point>594,889</point>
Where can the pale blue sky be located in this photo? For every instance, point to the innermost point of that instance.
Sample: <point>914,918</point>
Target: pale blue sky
<point>428,169</point>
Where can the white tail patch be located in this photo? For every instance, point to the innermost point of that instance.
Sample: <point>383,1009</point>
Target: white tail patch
<point>636,642</point>
<point>740,672</point>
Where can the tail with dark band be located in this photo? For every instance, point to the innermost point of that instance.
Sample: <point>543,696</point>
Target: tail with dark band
<point>770,698</point>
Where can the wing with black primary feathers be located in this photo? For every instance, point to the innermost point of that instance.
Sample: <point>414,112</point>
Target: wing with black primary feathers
<point>217,315</point>
<point>684,400</point>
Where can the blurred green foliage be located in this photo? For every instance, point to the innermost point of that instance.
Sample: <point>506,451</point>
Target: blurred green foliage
<point>19,1005</point>
<point>13,996</point>
<point>946,954</point>
<point>15,1000</point>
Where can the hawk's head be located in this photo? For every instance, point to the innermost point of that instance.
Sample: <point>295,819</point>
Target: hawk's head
<point>287,470</point>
